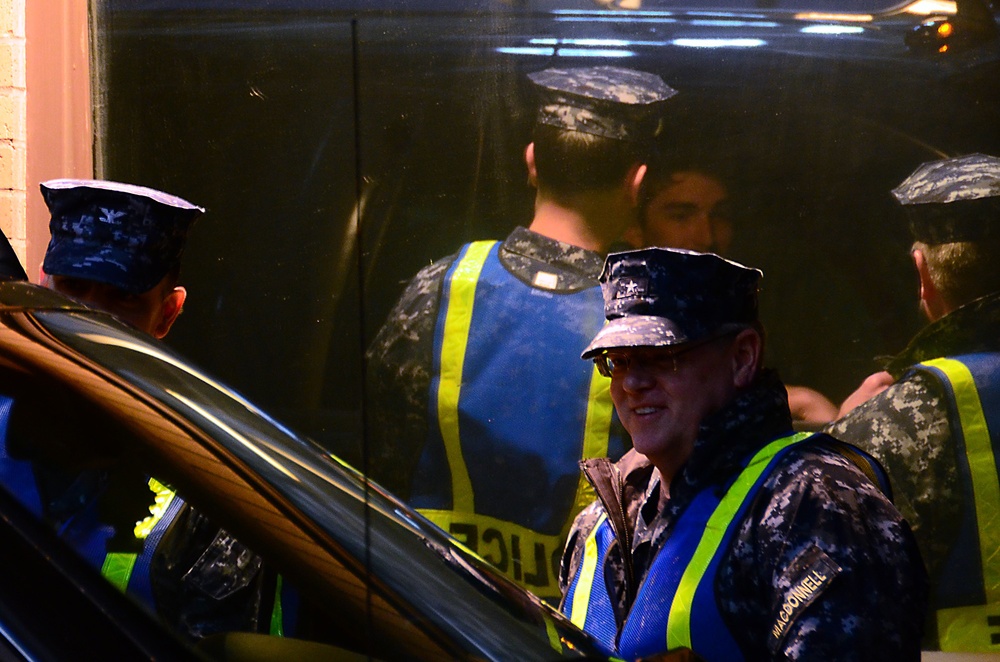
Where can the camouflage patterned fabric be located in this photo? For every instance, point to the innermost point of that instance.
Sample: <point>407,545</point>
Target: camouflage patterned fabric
<point>657,297</point>
<point>400,358</point>
<point>612,102</point>
<point>814,504</point>
<point>125,235</point>
<point>970,177</point>
<point>907,428</point>
<point>956,199</point>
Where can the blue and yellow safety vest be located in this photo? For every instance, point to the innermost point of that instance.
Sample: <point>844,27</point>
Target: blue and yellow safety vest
<point>513,410</point>
<point>88,535</point>
<point>85,532</point>
<point>675,606</point>
<point>967,597</point>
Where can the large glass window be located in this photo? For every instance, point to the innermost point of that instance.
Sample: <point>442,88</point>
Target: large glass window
<point>339,147</point>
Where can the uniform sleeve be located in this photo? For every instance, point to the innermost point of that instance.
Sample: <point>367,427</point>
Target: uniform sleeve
<point>824,568</point>
<point>399,365</point>
<point>906,429</point>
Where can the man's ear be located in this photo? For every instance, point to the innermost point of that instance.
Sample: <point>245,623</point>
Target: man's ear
<point>170,308</point>
<point>634,182</point>
<point>931,301</point>
<point>529,161</point>
<point>747,349</point>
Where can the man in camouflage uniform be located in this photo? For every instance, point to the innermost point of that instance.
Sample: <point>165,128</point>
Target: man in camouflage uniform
<point>935,421</point>
<point>480,409</point>
<point>117,247</point>
<point>722,531</point>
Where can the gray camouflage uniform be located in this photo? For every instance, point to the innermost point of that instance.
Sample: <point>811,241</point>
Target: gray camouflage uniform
<point>907,428</point>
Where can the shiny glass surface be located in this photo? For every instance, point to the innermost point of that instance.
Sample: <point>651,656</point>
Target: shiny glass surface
<point>339,147</point>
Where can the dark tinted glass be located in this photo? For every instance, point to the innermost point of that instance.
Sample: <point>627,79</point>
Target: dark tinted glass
<point>340,147</point>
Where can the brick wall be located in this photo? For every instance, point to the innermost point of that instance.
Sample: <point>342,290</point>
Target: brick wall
<point>13,131</point>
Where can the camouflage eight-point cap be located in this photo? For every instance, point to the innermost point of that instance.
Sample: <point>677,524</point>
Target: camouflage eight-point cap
<point>657,297</point>
<point>955,199</point>
<point>125,235</point>
<point>612,102</point>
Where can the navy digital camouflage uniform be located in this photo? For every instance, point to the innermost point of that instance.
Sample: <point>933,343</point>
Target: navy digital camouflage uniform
<point>400,357</point>
<point>815,503</point>
<point>610,102</point>
<point>815,507</point>
<point>908,426</point>
<point>125,235</point>
<point>203,580</point>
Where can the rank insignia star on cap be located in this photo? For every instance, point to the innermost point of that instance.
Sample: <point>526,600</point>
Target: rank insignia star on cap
<point>657,297</point>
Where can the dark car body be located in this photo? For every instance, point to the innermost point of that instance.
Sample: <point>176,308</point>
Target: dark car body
<point>392,585</point>
<point>341,146</point>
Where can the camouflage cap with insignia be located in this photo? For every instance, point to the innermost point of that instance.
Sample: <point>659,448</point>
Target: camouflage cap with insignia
<point>955,199</point>
<point>124,235</point>
<point>612,102</point>
<point>657,297</point>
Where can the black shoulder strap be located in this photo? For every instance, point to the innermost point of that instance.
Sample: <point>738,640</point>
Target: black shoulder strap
<point>869,465</point>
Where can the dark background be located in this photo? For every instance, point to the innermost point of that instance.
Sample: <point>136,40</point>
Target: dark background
<point>339,149</point>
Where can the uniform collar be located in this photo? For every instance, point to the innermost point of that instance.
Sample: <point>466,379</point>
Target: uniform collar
<point>548,264</point>
<point>974,327</point>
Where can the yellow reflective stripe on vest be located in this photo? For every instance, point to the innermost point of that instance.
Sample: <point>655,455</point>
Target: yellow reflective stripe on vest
<point>458,320</point>
<point>555,641</point>
<point>520,553</point>
<point>581,594</point>
<point>679,621</point>
<point>968,628</point>
<point>117,567</point>
<point>277,628</point>
<point>597,427</point>
<point>596,435</point>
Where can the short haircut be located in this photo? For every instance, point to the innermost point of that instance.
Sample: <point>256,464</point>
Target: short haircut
<point>962,271</point>
<point>571,162</point>
<point>173,276</point>
<point>665,164</point>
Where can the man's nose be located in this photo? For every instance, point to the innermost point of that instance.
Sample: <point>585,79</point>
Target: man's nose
<point>638,376</point>
<point>705,232</point>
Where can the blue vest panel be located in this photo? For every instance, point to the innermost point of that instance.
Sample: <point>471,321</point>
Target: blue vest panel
<point>83,530</point>
<point>588,600</point>
<point>514,418</point>
<point>962,583</point>
<point>645,629</point>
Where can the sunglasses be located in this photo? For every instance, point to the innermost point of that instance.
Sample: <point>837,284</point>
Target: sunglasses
<point>614,363</point>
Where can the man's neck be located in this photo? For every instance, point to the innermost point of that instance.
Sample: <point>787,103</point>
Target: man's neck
<point>594,227</point>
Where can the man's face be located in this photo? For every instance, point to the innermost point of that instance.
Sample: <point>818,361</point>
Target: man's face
<point>662,397</point>
<point>691,212</point>
<point>152,311</point>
